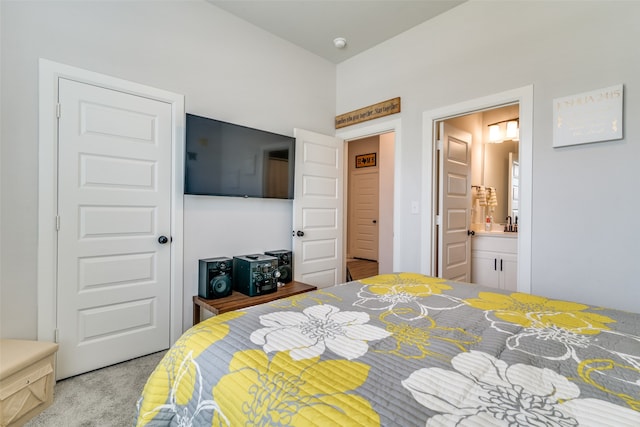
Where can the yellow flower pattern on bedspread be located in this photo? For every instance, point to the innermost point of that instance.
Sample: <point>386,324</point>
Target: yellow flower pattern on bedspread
<point>282,391</point>
<point>177,368</point>
<point>402,349</point>
<point>532,311</point>
<point>568,329</point>
<point>595,371</point>
<point>417,342</point>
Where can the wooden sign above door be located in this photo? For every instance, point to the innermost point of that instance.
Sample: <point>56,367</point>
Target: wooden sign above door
<point>371,112</point>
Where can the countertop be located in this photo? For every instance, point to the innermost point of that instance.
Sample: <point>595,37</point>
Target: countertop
<point>497,233</point>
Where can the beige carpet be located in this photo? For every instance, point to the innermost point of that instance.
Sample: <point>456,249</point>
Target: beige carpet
<point>106,397</point>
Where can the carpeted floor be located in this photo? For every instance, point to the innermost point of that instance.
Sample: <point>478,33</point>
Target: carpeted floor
<point>105,397</point>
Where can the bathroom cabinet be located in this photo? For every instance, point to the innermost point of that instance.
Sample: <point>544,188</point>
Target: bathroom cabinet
<point>494,260</point>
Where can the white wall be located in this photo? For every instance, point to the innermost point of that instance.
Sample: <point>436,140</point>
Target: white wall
<point>226,68</point>
<point>585,204</point>
<point>585,200</point>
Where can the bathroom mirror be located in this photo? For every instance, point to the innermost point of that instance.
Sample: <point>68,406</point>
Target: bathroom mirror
<point>500,167</point>
<point>514,185</point>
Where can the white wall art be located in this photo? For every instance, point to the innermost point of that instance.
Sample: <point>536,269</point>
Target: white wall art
<point>588,117</point>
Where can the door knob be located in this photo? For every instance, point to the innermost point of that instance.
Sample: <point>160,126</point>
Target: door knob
<point>162,240</point>
<point>300,233</point>
<point>471,233</point>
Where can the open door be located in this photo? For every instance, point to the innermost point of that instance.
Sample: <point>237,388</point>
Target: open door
<point>454,197</point>
<point>318,209</point>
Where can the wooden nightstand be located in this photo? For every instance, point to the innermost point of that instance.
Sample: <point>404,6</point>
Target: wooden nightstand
<point>238,300</point>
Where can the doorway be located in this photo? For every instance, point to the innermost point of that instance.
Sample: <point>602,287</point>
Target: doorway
<point>432,176</point>
<point>389,135</point>
<point>363,210</point>
<point>115,243</point>
<point>474,177</point>
<point>363,196</point>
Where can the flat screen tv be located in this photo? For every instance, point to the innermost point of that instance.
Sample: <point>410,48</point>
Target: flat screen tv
<point>225,159</point>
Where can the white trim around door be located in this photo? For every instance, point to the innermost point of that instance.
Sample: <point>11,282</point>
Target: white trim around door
<point>49,73</point>
<point>524,97</point>
<point>371,130</point>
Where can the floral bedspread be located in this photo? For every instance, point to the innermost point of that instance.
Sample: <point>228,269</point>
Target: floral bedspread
<point>402,350</point>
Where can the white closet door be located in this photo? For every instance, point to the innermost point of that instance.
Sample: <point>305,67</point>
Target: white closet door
<point>114,204</point>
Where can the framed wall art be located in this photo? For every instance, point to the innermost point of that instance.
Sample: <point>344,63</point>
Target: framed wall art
<point>588,117</point>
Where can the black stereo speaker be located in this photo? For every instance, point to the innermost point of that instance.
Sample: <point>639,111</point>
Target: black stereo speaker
<point>285,264</point>
<point>255,274</point>
<point>216,278</point>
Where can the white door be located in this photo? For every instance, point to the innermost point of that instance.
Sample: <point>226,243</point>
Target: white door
<point>318,209</point>
<point>363,213</point>
<point>114,181</point>
<point>454,245</point>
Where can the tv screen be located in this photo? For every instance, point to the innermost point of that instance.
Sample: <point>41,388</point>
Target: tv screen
<point>224,159</point>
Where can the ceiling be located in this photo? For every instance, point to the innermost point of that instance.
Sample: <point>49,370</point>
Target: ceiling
<point>314,24</point>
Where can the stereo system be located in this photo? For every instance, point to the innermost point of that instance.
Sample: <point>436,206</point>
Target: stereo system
<point>216,277</point>
<point>284,264</point>
<point>255,274</point>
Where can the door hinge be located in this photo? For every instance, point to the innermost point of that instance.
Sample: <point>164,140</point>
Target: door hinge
<point>57,222</point>
<point>58,108</point>
<point>438,143</point>
<point>438,220</point>
<point>56,335</point>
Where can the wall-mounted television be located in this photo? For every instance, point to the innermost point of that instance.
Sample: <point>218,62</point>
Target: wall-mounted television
<point>225,159</point>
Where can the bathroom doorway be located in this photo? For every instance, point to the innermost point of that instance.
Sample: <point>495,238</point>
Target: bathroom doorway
<point>490,165</point>
<point>474,195</point>
<point>433,179</point>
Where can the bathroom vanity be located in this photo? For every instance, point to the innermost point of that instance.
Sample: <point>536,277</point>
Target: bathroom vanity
<point>494,259</point>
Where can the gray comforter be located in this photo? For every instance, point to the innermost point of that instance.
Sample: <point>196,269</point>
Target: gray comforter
<point>402,350</point>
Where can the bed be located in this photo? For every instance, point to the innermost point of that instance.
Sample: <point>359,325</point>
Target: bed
<point>402,349</point>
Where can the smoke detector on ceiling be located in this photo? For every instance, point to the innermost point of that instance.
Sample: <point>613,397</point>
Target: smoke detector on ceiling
<point>340,42</point>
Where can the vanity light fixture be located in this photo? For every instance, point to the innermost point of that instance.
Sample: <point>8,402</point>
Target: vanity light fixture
<point>494,133</point>
<point>505,130</point>
<point>513,131</point>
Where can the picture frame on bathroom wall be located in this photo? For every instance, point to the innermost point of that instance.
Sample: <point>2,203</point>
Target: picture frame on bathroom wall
<point>588,117</point>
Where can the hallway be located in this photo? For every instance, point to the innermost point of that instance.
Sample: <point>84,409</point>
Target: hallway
<point>360,269</point>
